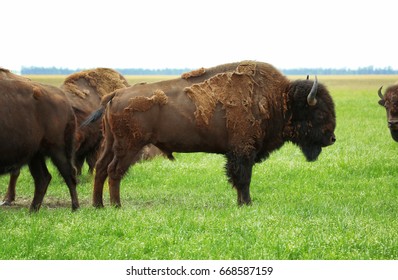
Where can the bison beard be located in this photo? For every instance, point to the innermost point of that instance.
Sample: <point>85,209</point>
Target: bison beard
<point>311,153</point>
<point>242,110</point>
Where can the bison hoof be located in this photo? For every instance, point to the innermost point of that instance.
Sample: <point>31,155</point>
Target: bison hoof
<point>75,208</point>
<point>244,203</point>
<point>98,205</point>
<point>34,208</point>
<point>5,203</point>
<point>117,205</point>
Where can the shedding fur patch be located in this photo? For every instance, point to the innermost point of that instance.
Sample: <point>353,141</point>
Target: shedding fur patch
<point>142,104</point>
<point>194,73</point>
<point>235,91</point>
<point>246,68</point>
<point>102,80</point>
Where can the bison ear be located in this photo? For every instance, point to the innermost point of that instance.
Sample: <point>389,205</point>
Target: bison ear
<point>382,102</point>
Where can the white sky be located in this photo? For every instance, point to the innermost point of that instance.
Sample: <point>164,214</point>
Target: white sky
<point>178,34</point>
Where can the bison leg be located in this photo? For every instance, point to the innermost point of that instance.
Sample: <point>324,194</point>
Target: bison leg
<point>239,172</point>
<point>68,173</point>
<point>100,176</point>
<point>42,179</point>
<point>79,161</point>
<point>116,170</point>
<point>101,169</point>
<point>9,198</point>
<point>91,159</point>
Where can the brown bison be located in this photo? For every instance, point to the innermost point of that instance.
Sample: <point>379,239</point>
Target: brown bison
<point>390,102</point>
<point>243,110</point>
<point>36,122</point>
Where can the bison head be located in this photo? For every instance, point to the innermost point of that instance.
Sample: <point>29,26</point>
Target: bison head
<point>390,102</point>
<point>312,117</point>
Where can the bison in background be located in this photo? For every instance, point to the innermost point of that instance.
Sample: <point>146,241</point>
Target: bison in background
<point>84,90</point>
<point>36,122</point>
<point>390,102</point>
<point>243,110</point>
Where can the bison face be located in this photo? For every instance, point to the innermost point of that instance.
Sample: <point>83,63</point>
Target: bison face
<point>312,118</point>
<point>390,102</point>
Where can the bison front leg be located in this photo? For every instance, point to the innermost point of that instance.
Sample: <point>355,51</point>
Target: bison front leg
<point>239,171</point>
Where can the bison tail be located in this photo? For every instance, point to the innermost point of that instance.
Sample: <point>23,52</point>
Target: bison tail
<point>98,114</point>
<point>93,117</point>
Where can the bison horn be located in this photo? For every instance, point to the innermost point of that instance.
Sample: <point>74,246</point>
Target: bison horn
<point>311,96</point>
<point>380,94</point>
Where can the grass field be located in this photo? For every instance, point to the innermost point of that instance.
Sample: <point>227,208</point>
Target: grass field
<point>343,206</point>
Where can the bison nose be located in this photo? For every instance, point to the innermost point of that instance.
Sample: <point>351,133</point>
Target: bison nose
<point>332,139</point>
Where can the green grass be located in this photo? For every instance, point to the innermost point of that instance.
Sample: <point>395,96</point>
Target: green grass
<point>343,206</point>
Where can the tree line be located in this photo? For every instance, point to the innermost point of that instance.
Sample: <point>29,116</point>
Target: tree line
<point>369,70</point>
<point>125,71</point>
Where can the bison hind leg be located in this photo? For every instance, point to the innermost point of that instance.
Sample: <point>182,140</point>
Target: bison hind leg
<point>9,198</point>
<point>42,178</point>
<point>239,171</point>
<point>68,172</point>
<point>120,164</point>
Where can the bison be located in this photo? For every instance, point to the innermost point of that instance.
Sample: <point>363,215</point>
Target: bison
<point>390,101</point>
<point>37,121</point>
<point>242,110</point>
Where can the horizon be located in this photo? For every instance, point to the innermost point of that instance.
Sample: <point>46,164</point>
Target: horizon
<point>37,70</point>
